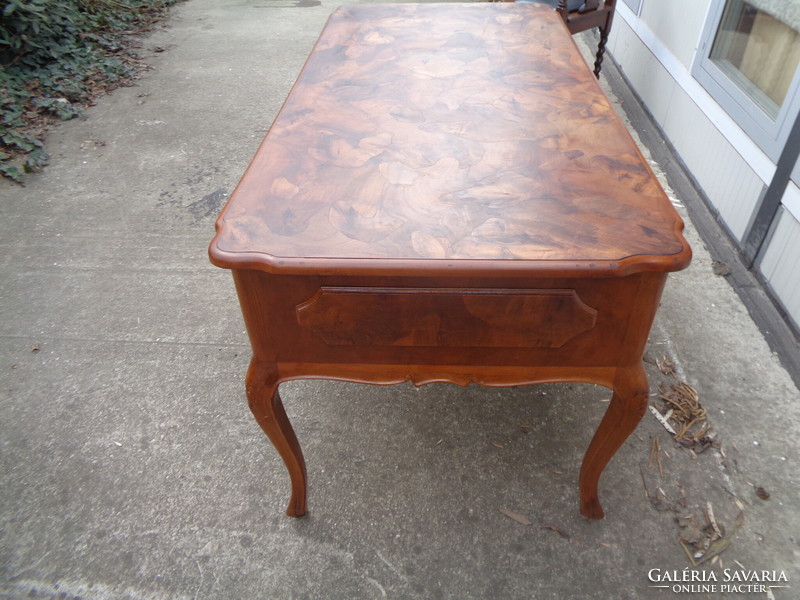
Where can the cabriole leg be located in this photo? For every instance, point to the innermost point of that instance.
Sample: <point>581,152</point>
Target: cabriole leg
<point>265,402</point>
<point>627,407</point>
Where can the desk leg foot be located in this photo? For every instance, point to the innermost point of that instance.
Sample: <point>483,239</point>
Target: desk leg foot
<point>627,407</point>
<point>267,408</point>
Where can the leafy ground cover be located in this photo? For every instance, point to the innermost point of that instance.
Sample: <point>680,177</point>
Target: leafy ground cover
<point>56,58</point>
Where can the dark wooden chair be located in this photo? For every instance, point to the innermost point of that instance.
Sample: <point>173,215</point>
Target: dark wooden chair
<point>581,15</point>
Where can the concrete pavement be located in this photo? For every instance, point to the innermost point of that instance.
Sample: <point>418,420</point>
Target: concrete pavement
<point>131,467</point>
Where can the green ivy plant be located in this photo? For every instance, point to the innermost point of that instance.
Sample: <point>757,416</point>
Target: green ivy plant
<point>55,56</point>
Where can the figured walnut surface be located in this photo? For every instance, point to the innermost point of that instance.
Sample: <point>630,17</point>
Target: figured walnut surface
<point>421,134</point>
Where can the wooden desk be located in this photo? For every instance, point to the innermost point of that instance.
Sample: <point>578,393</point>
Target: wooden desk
<point>447,195</point>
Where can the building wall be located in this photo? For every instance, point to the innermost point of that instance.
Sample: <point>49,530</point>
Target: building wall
<point>780,264</point>
<point>655,52</point>
<point>679,24</point>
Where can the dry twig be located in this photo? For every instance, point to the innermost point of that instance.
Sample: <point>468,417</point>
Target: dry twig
<point>692,429</point>
<point>666,366</point>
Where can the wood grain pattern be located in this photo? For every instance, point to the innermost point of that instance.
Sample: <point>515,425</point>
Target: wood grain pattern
<point>270,305</point>
<point>442,318</point>
<point>483,138</point>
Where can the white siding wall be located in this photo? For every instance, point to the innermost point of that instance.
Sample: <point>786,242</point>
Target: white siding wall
<point>781,264</point>
<point>679,24</point>
<point>725,177</point>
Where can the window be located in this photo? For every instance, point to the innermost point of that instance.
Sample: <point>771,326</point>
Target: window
<point>748,61</point>
<point>757,52</point>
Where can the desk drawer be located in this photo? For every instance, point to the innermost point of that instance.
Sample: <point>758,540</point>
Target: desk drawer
<point>447,318</point>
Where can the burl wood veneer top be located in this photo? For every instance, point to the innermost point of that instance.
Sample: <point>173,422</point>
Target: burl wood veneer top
<point>442,137</point>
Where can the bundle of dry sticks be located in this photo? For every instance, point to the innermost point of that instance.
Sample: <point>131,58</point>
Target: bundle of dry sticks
<point>683,407</point>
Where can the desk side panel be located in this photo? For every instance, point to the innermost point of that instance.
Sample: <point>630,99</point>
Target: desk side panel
<point>385,324</point>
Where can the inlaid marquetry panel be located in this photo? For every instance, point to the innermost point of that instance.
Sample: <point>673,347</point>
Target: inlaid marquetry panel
<point>428,317</point>
<point>448,131</point>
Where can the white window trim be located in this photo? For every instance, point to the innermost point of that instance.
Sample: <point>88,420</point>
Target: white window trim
<point>769,134</point>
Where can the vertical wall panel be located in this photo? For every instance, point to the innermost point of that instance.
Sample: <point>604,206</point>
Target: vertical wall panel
<point>730,184</point>
<point>780,264</point>
<point>678,23</point>
<point>648,77</point>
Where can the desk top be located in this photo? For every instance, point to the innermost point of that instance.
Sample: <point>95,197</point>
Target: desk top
<point>432,138</point>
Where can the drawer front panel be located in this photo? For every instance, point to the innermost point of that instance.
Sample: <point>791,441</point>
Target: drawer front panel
<point>446,318</point>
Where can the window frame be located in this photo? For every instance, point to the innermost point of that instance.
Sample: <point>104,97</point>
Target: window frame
<point>770,135</point>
